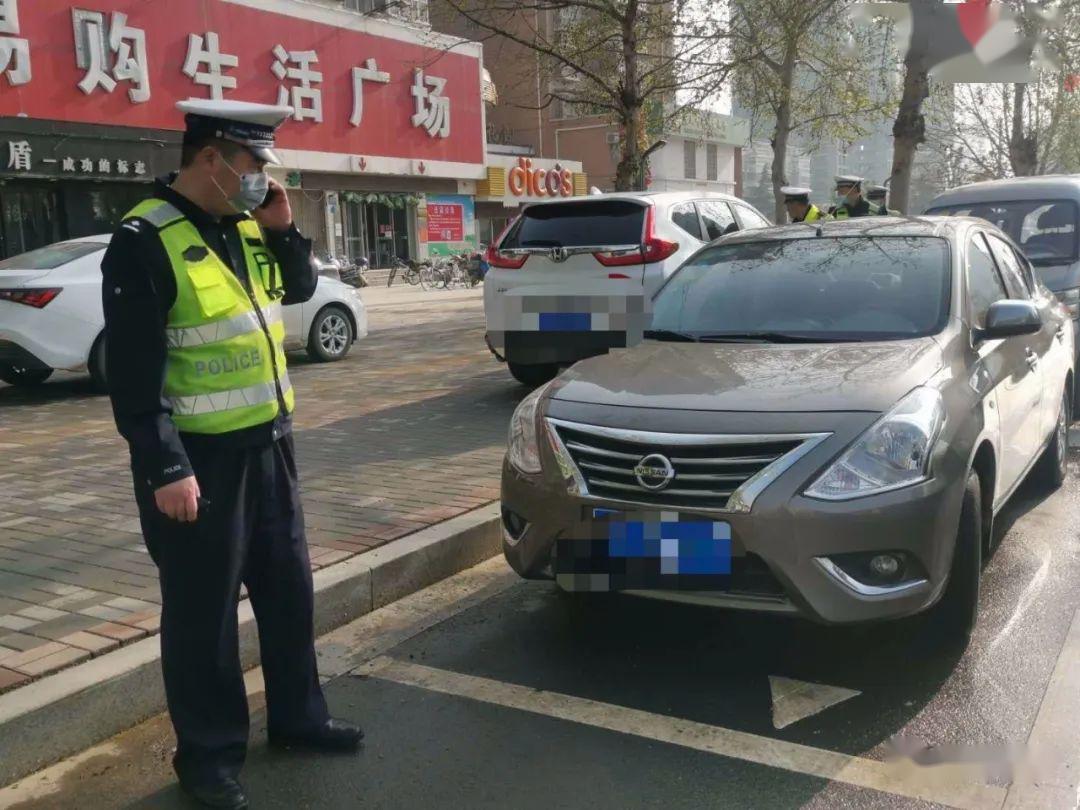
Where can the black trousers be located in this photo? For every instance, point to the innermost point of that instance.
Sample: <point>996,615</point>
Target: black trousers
<point>252,532</point>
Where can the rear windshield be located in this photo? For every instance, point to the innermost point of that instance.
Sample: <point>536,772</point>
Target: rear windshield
<point>52,256</point>
<point>819,289</point>
<point>1044,229</point>
<point>579,224</point>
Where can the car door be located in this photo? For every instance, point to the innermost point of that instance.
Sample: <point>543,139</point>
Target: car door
<point>1016,380</point>
<point>1050,344</point>
<point>294,316</point>
<point>716,219</point>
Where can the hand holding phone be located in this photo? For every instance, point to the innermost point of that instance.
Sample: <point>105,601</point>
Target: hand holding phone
<point>275,213</point>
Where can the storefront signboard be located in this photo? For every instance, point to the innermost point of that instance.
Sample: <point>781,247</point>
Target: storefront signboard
<point>451,224</point>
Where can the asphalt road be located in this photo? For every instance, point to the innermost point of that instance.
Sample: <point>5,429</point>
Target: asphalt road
<point>518,697</point>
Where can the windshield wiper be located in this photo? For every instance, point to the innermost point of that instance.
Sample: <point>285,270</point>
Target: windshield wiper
<point>770,337</point>
<point>670,335</point>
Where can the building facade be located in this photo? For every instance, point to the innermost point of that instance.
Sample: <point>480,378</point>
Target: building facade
<point>388,126</point>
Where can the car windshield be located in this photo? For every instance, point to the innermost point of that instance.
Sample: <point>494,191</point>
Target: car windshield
<point>812,289</point>
<point>578,224</point>
<point>1046,230</point>
<point>52,256</point>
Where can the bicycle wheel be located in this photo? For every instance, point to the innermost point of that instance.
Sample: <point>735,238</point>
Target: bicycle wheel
<point>427,277</point>
<point>390,278</point>
<point>413,276</point>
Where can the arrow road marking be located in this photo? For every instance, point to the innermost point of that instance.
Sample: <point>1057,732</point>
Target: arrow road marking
<point>958,787</point>
<point>793,700</point>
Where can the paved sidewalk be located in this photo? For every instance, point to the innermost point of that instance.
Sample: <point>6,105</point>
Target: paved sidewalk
<point>408,431</point>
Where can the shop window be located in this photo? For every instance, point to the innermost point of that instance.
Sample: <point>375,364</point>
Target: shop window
<point>32,217</point>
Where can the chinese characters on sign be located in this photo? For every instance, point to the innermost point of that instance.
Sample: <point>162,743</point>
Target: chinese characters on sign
<point>20,156</point>
<point>127,43</point>
<point>370,72</point>
<point>446,222</point>
<point>305,100</point>
<point>21,159</point>
<point>215,62</point>
<point>14,50</point>
<point>432,107</point>
<point>352,91</point>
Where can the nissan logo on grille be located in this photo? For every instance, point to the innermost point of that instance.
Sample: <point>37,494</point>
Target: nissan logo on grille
<point>654,472</point>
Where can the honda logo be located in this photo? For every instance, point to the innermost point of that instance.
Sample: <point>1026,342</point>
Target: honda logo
<point>559,254</point>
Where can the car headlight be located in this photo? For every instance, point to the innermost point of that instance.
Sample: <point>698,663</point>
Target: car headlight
<point>895,452</point>
<point>1071,300</point>
<point>523,440</point>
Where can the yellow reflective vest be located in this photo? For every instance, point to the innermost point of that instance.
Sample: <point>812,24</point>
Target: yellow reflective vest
<point>226,361</point>
<point>814,215</point>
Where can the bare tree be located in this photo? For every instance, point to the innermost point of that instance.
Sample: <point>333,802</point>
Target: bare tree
<point>796,70</point>
<point>639,62</point>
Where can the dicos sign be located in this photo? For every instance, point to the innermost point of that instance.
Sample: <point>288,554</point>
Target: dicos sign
<point>525,181</point>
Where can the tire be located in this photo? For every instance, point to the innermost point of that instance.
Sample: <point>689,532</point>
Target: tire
<point>1053,466</point>
<point>533,374</point>
<point>331,335</point>
<point>96,365</point>
<point>955,616</point>
<point>24,377</point>
<point>390,278</point>
<point>427,277</point>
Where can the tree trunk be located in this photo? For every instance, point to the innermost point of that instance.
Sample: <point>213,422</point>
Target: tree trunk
<point>628,174</point>
<point>1023,149</point>
<point>909,130</point>
<point>781,136</point>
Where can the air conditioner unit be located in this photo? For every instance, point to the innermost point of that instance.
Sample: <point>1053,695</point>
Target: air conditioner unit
<point>613,138</point>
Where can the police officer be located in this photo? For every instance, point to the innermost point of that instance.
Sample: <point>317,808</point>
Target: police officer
<point>798,205</point>
<point>876,195</point>
<point>849,199</point>
<point>194,282</point>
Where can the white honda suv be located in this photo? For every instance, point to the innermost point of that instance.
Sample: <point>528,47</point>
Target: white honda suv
<point>569,280</point>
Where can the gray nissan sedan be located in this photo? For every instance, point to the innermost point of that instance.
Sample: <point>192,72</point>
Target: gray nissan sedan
<point>822,421</point>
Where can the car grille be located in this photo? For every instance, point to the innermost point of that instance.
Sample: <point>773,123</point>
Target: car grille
<point>708,469</point>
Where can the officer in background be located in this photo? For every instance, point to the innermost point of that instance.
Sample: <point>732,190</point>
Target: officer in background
<point>798,205</point>
<point>193,289</point>
<point>849,199</point>
<point>876,195</point>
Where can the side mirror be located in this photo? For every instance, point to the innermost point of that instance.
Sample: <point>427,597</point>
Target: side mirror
<point>1010,318</point>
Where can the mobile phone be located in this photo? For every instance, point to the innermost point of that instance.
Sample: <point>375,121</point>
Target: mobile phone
<point>271,195</point>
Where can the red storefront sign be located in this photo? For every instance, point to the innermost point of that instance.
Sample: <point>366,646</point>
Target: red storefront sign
<point>446,222</point>
<point>357,93</point>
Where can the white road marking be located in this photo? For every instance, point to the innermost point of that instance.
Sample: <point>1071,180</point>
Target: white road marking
<point>1027,597</point>
<point>793,700</point>
<point>950,785</point>
<point>1053,782</point>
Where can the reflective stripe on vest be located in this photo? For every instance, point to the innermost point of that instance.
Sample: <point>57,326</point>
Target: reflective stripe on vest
<point>222,330</point>
<point>225,371</point>
<point>257,394</point>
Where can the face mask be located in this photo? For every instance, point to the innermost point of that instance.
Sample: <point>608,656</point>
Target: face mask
<point>841,198</point>
<point>253,190</point>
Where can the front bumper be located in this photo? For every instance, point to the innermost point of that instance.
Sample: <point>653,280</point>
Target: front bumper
<point>788,535</point>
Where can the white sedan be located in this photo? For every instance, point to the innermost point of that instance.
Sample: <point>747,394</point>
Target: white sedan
<point>51,317</point>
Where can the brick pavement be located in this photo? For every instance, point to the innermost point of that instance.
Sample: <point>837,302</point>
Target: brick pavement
<point>408,431</point>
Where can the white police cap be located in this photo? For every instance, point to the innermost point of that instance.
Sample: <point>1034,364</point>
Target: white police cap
<point>796,193</point>
<point>873,190</point>
<point>243,122</point>
<point>848,180</point>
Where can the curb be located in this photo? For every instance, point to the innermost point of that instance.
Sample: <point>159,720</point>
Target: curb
<point>76,708</point>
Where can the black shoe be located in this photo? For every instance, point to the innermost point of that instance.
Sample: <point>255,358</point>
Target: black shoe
<point>334,736</point>
<point>224,793</point>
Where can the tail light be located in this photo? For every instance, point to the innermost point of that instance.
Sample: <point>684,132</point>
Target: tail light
<point>497,258</point>
<point>656,249</point>
<point>33,298</point>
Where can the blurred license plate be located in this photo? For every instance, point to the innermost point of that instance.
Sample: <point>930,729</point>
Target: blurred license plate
<point>645,551</point>
<point>565,321</point>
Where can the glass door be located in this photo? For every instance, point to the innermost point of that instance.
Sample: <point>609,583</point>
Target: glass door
<point>31,218</point>
<point>355,227</point>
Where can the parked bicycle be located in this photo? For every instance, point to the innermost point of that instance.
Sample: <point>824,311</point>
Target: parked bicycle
<point>355,273</point>
<point>410,271</point>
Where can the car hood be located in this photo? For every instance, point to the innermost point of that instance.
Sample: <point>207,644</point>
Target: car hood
<point>753,377</point>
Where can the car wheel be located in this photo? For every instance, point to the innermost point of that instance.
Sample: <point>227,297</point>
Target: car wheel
<point>1054,464</point>
<point>955,615</point>
<point>24,377</point>
<point>331,335</point>
<point>96,365</point>
<point>533,374</point>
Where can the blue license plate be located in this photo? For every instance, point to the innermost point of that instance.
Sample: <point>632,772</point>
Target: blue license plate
<point>646,550</point>
<point>565,321</point>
